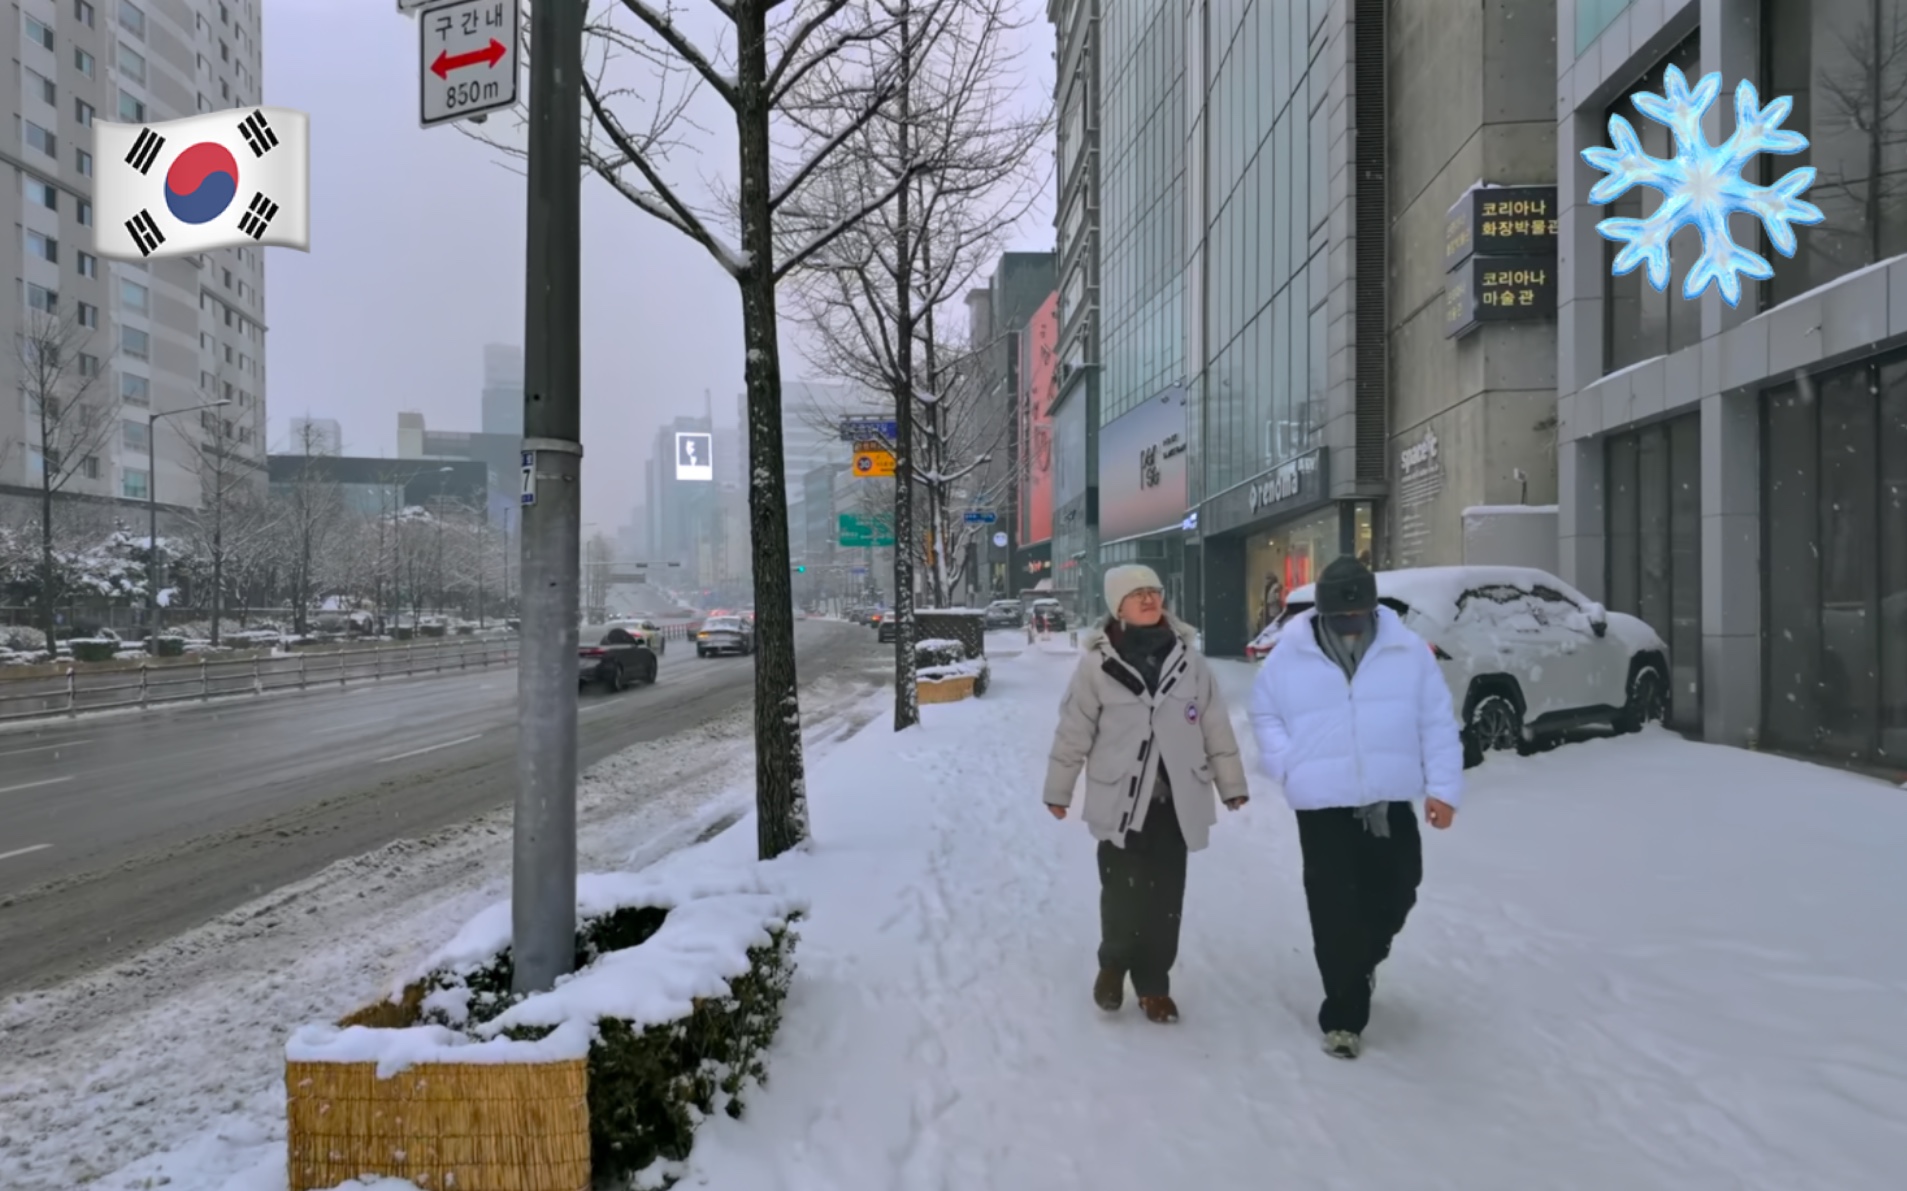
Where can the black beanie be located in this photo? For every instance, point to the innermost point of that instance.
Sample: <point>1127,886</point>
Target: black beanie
<point>1347,585</point>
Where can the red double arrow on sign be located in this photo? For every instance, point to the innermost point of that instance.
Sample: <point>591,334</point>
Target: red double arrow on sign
<point>446,62</point>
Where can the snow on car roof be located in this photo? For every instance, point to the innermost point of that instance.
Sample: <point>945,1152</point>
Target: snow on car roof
<point>1435,591</point>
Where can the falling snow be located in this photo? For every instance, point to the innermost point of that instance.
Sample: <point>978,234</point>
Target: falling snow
<point>1702,186</point>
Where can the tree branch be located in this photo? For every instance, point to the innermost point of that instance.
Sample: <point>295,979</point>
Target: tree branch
<point>664,28</point>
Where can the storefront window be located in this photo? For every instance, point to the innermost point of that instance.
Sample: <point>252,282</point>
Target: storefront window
<point>1361,531</point>
<point>1281,560</point>
<point>1654,536</point>
<point>1841,61</point>
<point>1640,322</point>
<point>1835,452</point>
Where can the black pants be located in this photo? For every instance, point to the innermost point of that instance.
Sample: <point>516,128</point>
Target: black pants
<point>1360,888</point>
<point>1141,897</point>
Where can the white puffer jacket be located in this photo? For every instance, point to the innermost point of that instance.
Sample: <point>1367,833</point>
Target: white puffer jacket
<point>1388,735</point>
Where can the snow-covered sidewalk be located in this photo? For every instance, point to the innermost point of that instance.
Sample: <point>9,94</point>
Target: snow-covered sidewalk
<point>1639,963</point>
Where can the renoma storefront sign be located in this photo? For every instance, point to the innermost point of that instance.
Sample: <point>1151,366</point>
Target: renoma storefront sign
<point>1294,486</point>
<point>1284,483</point>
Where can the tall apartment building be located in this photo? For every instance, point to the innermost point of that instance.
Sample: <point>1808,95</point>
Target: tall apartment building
<point>145,339</point>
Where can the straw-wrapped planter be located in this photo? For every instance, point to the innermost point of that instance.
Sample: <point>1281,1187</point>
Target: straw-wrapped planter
<point>948,671</point>
<point>458,1083</point>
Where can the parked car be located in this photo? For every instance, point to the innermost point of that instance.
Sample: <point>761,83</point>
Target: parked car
<point>1260,646</point>
<point>650,632</point>
<point>887,628</point>
<point>725,634</point>
<point>613,656</point>
<point>1048,616</point>
<point>1005,614</point>
<point>1526,656</point>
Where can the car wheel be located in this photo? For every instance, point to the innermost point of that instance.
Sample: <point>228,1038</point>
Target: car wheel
<point>615,681</point>
<point>1494,723</point>
<point>649,671</point>
<point>1648,698</point>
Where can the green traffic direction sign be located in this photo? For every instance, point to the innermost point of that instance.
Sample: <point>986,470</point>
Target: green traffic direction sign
<point>863,532</point>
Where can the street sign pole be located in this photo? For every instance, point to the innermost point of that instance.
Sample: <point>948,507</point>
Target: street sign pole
<point>543,860</point>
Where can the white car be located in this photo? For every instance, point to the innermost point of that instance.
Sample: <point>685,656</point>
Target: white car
<point>648,630</point>
<point>1526,656</point>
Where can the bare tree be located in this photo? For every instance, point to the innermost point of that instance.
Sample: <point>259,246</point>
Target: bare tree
<point>1866,102</point>
<point>764,69</point>
<point>228,478</point>
<point>877,296</point>
<point>311,519</point>
<point>71,419</point>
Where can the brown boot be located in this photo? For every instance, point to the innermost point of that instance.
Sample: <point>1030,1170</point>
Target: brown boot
<point>1109,990</point>
<point>1160,1009</point>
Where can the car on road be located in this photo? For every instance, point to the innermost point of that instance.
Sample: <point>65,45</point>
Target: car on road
<point>1005,614</point>
<point>614,657</point>
<point>650,632</point>
<point>887,629</point>
<point>1526,656</point>
<point>725,634</point>
<point>1048,615</point>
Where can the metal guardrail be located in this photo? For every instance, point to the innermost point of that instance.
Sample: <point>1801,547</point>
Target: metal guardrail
<point>153,682</point>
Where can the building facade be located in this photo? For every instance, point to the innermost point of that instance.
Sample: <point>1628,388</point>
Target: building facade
<point>1738,476</point>
<point>502,389</point>
<point>316,436</point>
<point>1075,412</point>
<point>143,340</point>
<point>385,487</point>
<point>500,453</point>
<point>1264,337</point>
<point>1000,315</point>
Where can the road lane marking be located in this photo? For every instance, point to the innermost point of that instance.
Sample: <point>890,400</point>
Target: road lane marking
<point>24,851</point>
<point>41,748</point>
<point>414,752</point>
<point>52,781</point>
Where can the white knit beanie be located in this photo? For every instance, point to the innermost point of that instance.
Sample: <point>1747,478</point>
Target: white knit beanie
<point>1122,581</point>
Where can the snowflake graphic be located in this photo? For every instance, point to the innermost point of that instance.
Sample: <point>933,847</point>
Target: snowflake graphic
<point>1702,185</point>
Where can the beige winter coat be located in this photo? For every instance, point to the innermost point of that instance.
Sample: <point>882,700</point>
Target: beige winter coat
<point>1111,727</point>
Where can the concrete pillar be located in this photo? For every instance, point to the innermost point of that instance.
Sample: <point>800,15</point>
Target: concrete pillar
<point>1731,44</point>
<point>1581,516</point>
<point>1731,569</point>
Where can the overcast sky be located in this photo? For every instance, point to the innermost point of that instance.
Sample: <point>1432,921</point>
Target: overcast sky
<point>417,261</point>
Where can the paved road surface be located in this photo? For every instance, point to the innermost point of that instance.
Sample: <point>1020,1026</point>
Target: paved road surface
<point>120,831</point>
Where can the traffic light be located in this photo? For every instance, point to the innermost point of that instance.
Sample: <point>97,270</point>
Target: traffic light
<point>801,570</point>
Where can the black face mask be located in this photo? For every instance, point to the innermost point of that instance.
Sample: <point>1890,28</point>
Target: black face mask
<point>1351,624</point>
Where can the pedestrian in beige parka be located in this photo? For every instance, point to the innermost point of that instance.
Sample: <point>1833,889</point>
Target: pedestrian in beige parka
<point>1143,718</point>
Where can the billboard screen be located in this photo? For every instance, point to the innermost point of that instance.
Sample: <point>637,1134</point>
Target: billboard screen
<point>1039,385</point>
<point>1142,469</point>
<point>694,456</point>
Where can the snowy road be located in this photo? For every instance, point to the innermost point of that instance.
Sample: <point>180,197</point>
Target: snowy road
<point>121,831</point>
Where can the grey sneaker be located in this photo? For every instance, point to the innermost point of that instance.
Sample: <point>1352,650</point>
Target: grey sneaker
<point>1343,1044</point>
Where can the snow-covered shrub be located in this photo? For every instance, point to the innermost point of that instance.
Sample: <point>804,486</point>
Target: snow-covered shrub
<point>22,638</point>
<point>169,647</point>
<point>936,652</point>
<point>94,649</point>
<point>677,994</point>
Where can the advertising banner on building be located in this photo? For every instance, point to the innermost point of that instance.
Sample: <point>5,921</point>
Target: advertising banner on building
<point>1142,469</point>
<point>1039,386</point>
<point>694,456</point>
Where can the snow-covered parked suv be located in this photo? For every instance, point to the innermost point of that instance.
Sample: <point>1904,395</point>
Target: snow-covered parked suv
<point>1526,655</point>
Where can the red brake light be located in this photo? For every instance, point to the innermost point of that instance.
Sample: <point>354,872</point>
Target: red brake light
<point>592,652</point>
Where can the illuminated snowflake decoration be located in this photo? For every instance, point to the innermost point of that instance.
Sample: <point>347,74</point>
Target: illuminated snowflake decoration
<point>1702,186</point>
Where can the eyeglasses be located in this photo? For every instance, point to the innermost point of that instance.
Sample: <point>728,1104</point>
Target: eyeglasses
<point>1148,593</point>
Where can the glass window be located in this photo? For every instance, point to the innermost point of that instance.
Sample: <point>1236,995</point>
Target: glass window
<point>44,247</point>
<point>42,194</point>
<point>83,211</point>
<point>134,297</point>
<point>1792,684</point>
<point>1592,17</point>
<point>134,389</point>
<point>135,433</point>
<point>88,265</point>
<point>1685,571</point>
<point>39,33</point>
<point>1891,515</point>
<point>83,112</point>
<point>1847,555</point>
<point>131,110</point>
<point>39,138</point>
<point>83,162</point>
<point>135,343</point>
<point>1624,512</point>
<point>1639,322</point>
<point>132,63</point>
<point>83,62</point>
<point>42,299</point>
<point>132,19</point>
<point>133,484</point>
<point>1652,528</point>
<point>39,84</point>
<point>1841,60</point>
<point>83,12</point>
<point>88,315</point>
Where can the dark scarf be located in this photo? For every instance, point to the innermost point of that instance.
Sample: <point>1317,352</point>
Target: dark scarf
<point>1143,647</point>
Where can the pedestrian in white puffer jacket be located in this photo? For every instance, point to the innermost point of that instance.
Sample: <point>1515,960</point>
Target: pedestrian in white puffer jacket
<point>1353,719</point>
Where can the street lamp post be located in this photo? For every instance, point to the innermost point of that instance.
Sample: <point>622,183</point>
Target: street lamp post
<point>443,483</point>
<point>152,515</point>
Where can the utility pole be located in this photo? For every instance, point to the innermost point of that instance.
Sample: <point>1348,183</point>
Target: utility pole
<point>543,862</point>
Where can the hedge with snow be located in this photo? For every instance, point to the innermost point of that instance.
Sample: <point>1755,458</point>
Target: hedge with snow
<point>677,993</point>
